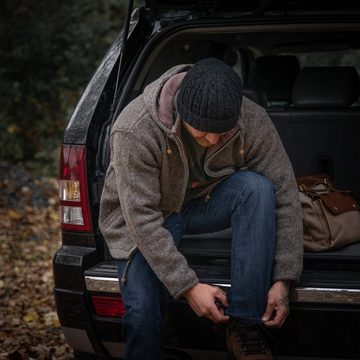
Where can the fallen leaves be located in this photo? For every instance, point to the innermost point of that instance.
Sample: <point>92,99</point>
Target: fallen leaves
<point>31,317</point>
<point>14,215</point>
<point>29,237</point>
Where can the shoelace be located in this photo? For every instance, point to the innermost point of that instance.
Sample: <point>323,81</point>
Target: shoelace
<point>250,345</point>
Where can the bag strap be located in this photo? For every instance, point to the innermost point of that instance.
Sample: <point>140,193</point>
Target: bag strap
<point>336,201</point>
<point>311,180</point>
<point>310,189</point>
<point>329,185</point>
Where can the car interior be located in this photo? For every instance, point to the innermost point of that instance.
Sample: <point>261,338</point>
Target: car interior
<point>307,79</point>
<point>312,104</point>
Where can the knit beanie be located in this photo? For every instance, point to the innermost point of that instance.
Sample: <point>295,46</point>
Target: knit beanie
<point>210,96</point>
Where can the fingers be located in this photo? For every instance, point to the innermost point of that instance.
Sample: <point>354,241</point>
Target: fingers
<point>213,312</point>
<point>216,310</point>
<point>216,314</point>
<point>270,307</point>
<point>225,318</point>
<point>202,298</point>
<point>221,296</point>
<point>281,312</point>
<point>277,308</point>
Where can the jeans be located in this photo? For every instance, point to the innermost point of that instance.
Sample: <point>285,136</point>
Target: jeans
<point>245,202</point>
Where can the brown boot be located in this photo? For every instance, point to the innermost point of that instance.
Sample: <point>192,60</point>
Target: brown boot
<point>247,342</point>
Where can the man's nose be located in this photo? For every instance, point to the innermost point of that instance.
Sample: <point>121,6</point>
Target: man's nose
<point>212,138</point>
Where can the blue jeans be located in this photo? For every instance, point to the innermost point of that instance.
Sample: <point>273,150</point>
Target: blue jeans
<point>246,203</point>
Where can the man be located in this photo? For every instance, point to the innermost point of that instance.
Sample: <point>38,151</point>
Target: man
<point>192,155</point>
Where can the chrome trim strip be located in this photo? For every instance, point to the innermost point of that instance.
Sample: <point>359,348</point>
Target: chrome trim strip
<point>297,294</point>
<point>102,284</point>
<point>326,295</point>
<point>320,295</point>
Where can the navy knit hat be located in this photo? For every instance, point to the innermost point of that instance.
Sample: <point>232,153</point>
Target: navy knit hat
<point>210,96</point>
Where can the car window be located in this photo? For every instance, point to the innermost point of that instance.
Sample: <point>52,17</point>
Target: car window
<point>334,58</point>
<point>346,57</point>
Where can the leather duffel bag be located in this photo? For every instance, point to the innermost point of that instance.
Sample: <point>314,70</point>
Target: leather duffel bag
<point>331,216</point>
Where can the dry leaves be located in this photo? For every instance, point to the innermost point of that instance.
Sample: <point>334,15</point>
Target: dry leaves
<point>29,237</point>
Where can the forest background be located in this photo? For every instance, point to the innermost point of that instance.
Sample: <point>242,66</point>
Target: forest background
<point>48,52</point>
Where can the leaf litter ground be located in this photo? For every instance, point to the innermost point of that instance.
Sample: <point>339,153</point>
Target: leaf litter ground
<point>29,237</point>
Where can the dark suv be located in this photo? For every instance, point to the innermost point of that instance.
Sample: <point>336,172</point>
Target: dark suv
<point>300,60</point>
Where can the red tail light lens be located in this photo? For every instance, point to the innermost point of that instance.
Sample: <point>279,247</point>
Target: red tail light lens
<point>73,191</point>
<point>108,306</point>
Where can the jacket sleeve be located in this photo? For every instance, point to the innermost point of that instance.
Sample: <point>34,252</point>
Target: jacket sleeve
<point>266,155</point>
<point>137,174</point>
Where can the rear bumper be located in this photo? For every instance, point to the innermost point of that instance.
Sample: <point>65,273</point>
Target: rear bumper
<point>297,294</point>
<point>324,319</point>
<point>329,313</point>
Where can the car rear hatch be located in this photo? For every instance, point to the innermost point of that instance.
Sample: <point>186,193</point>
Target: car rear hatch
<point>256,6</point>
<point>328,278</point>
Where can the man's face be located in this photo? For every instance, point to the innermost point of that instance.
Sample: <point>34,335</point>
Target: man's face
<point>204,139</point>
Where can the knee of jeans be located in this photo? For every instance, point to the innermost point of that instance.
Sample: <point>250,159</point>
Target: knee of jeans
<point>258,185</point>
<point>141,313</point>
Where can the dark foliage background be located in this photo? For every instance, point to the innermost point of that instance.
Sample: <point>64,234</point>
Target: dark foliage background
<point>48,52</point>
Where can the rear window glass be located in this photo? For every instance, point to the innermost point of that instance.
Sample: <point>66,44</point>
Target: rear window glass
<point>333,58</point>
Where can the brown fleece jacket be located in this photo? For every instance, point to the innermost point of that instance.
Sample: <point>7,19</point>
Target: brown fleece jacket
<point>148,173</point>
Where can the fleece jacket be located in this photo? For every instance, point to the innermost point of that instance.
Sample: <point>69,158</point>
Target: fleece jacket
<point>148,174</point>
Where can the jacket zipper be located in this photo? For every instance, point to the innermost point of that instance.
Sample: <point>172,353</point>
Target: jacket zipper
<point>217,151</point>
<point>208,190</point>
<point>183,155</point>
<point>211,187</point>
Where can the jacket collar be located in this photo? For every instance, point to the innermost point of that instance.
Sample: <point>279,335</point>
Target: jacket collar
<point>165,110</point>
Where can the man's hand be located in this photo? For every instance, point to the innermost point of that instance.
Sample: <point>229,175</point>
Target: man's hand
<point>202,299</point>
<point>277,308</point>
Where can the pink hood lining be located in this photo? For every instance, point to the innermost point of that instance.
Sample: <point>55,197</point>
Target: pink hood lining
<point>166,99</point>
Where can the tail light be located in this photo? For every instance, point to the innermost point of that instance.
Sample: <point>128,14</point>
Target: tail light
<point>108,306</point>
<point>73,192</point>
